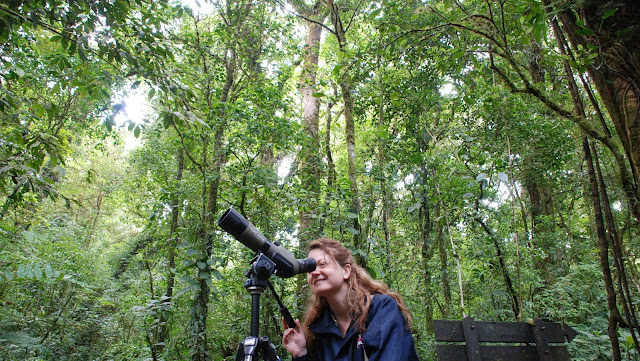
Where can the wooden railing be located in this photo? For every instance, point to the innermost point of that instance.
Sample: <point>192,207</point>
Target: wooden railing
<point>469,340</point>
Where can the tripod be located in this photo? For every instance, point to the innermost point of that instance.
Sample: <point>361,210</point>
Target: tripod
<point>261,269</point>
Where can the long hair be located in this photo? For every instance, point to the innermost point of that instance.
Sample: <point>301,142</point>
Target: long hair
<point>362,287</point>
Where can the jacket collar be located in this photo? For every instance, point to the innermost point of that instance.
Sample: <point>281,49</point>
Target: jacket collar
<point>324,324</point>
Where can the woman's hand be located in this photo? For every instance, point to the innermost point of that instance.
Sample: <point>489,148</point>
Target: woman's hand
<point>293,340</point>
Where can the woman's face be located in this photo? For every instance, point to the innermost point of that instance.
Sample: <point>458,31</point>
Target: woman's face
<point>329,277</point>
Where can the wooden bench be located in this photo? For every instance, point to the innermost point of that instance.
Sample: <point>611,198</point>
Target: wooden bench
<point>504,341</point>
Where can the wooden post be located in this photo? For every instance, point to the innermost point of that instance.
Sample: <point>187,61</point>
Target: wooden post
<point>471,339</point>
<point>542,344</point>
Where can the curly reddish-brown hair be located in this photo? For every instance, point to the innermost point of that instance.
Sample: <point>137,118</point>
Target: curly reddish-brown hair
<point>361,288</point>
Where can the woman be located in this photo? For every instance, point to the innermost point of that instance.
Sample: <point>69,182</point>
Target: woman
<point>351,317</point>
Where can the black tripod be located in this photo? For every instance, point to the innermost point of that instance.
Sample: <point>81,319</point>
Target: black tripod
<point>261,269</point>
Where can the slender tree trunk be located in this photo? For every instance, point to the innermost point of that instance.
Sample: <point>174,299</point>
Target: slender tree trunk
<point>444,263</point>
<point>331,168</point>
<point>350,133</point>
<point>614,314</point>
<point>163,331</point>
<point>425,228</point>
<point>199,309</point>
<point>513,295</point>
<point>382,161</point>
<point>615,239</point>
<point>531,179</point>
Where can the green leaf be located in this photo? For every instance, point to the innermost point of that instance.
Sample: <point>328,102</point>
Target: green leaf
<point>82,54</point>
<point>29,236</point>
<point>188,263</point>
<point>585,32</point>
<point>37,272</point>
<point>216,274</point>
<point>353,230</point>
<point>609,13</point>
<point>182,291</point>
<point>22,272</point>
<point>187,279</point>
<point>8,275</point>
<point>48,271</point>
<point>458,54</point>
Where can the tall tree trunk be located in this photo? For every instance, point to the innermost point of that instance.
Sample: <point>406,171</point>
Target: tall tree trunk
<point>310,154</point>
<point>211,172</point>
<point>350,133</point>
<point>533,181</point>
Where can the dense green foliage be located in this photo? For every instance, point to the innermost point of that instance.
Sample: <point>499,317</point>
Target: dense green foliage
<point>470,195</point>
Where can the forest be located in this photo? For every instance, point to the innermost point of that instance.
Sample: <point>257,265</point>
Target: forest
<point>481,158</point>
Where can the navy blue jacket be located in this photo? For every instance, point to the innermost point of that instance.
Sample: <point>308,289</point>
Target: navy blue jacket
<point>386,337</point>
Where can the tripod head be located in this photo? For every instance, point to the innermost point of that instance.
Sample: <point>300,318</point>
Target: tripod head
<point>262,267</point>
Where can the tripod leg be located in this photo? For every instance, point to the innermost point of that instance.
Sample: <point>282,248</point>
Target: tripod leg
<point>269,352</point>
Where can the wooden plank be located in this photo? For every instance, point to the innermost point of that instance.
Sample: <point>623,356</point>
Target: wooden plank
<point>471,339</point>
<point>450,331</point>
<point>500,353</point>
<point>506,332</point>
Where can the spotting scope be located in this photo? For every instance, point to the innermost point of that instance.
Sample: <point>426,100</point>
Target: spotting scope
<point>287,265</point>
